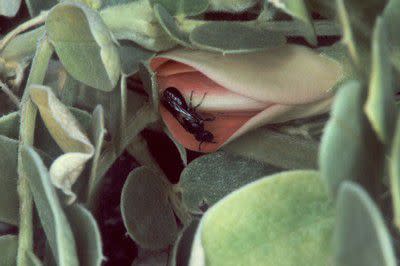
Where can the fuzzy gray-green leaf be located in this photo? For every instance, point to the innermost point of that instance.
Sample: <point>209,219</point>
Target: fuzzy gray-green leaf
<point>8,250</point>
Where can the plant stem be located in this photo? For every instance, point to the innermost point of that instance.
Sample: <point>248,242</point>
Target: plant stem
<point>9,93</point>
<point>27,129</point>
<point>40,19</point>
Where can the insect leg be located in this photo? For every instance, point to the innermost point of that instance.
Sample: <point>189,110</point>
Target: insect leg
<point>201,101</point>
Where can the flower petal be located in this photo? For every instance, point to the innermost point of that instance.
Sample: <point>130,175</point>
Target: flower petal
<point>288,74</point>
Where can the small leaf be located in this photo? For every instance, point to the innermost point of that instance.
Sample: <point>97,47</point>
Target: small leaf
<point>149,80</point>
<point>69,136</point>
<point>280,150</point>
<point>395,175</point>
<point>391,14</point>
<point>209,178</point>
<point>284,219</point>
<point>9,211</point>
<point>84,45</point>
<point>348,130</point>
<point>234,37</point>
<point>8,250</point>
<point>183,7</point>
<point>131,55</point>
<point>34,261</point>
<point>170,26</point>
<point>9,8</point>
<point>299,10</point>
<point>381,106</point>
<point>146,210</point>
<point>9,125</point>
<point>87,235</point>
<point>361,237</point>
<point>182,247</point>
<point>52,217</point>
<point>36,6</point>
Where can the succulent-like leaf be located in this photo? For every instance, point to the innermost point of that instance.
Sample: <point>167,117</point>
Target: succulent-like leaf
<point>146,210</point>
<point>36,6</point>
<point>381,106</point>
<point>87,235</point>
<point>391,15</point>
<point>9,125</point>
<point>299,10</point>
<point>284,219</point>
<point>182,247</point>
<point>8,179</point>
<point>131,55</point>
<point>8,250</point>
<point>9,8</point>
<point>84,45</point>
<point>69,136</point>
<point>51,214</point>
<point>234,37</point>
<point>395,175</point>
<point>183,7</point>
<point>209,178</point>
<point>350,149</point>
<point>280,150</point>
<point>361,237</point>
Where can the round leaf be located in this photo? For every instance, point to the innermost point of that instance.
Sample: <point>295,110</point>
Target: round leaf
<point>146,210</point>
<point>284,219</point>
<point>84,45</point>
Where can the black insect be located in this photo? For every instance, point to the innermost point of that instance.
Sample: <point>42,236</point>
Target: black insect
<point>186,114</point>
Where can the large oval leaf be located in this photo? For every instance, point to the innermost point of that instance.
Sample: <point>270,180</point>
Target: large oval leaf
<point>84,45</point>
<point>8,250</point>
<point>285,219</point>
<point>361,237</point>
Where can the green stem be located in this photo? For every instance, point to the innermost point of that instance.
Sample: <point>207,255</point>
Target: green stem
<point>40,19</point>
<point>27,130</point>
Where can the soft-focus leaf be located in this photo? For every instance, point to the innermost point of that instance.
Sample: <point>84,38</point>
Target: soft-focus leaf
<point>361,237</point>
<point>395,175</point>
<point>281,150</point>
<point>146,210</point>
<point>131,55</point>
<point>33,260</point>
<point>150,257</point>
<point>391,15</point>
<point>9,125</point>
<point>9,8</point>
<point>136,21</point>
<point>8,181</point>
<point>149,80</point>
<point>299,10</point>
<point>69,136</point>
<point>87,235</point>
<point>234,37</point>
<point>84,45</point>
<point>209,178</point>
<point>231,5</point>
<point>284,219</point>
<point>139,149</point>
<point>381,106</point>
<point>170,26</point>
<point>182,151</point>
<point>35,6</point>
<point>349,149</point>
<point>8,250</point>
<point>181,252</point>
<point>183,7</point>
<point>51,214</point>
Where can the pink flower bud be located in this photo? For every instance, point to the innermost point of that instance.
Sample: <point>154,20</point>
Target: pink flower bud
<point>246,91</point>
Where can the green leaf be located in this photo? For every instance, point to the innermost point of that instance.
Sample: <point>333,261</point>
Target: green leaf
<point>280,150</point>
<point>135,21</point>
<point>139,149</point>
<point>395,174</point>
<point>9,8</point>
<point>149,79</point>
<point>182,247</point>
<point>182,151</point>
<point>284,219</point>
<point>381,106</point>
<point>84,45</point>
<point>8,250</point>
<point>34,261</point>
<point>131,55</point>
<point>361,237</point>
<point>69,136</point>
<point>299,10</point>
<point>9,212</point>
<point>234,37</point>
<point>209,178</point>
<point>183,7</point>
<point>391,14</point>
<point>9,125</point>
<point>349,148</point>
<point>36,6</point>
<point>87,235</point>
<point>170,26</point>
<point>51,214</point>
<point>146,210</point>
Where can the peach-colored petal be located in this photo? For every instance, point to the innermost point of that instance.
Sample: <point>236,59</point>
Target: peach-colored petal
<point>171,68</point>
<point>288,74</point>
